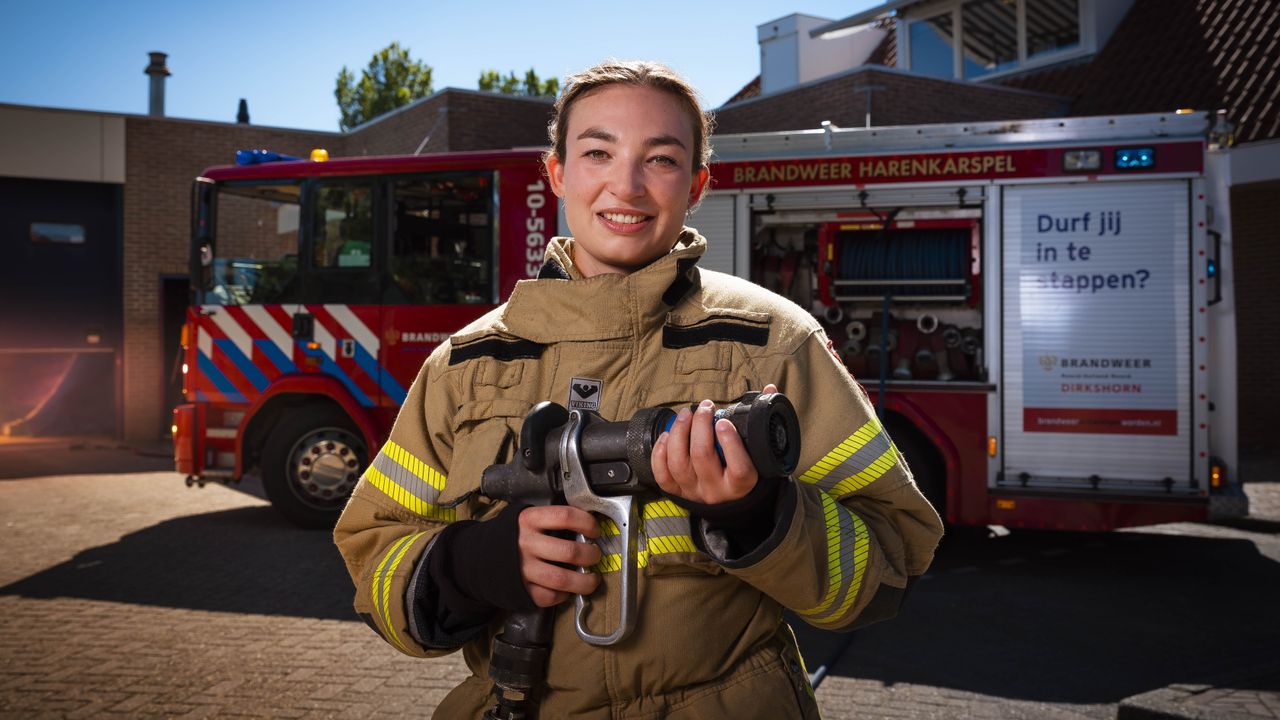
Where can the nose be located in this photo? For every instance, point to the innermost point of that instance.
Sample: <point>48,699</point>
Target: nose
<point>626,180</point>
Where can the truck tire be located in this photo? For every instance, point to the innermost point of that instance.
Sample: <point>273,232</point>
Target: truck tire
<point>925,462</point>
<point>310,465</point>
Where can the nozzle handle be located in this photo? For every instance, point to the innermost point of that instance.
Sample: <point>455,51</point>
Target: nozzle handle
<point>621,510</point>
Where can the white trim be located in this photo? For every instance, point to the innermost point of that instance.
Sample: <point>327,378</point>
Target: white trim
<point>1255,162</point>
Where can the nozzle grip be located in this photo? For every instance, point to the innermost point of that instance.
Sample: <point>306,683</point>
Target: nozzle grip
<point>621,510</point>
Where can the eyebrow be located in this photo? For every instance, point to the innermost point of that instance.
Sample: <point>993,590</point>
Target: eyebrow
<point>595,133</point>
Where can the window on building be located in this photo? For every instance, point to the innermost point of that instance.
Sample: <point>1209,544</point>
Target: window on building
<point>990,32</point>
<point>254,257</point>
<point>1052,25</point>
<point>994,35</point>
<point>57,233</point>
<point>442,245</point>
<point>931,46</point>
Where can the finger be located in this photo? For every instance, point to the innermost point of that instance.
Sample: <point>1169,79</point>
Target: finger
<point>542,518</point>
<point>702,451</point>
<point>658,464</point>
<point>678,452</point>
<point>553,549</point>
<point>740,474</point>
<point>770,388</point>
<point>554,577</point>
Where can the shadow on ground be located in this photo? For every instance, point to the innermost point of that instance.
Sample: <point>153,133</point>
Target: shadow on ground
<point>246,560</point>
<point>1077,618</point>
<point>76,457</point>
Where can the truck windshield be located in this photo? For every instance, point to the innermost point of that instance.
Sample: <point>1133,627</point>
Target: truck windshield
<point>254,258</point>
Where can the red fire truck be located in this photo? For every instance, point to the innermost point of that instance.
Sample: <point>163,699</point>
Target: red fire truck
<point>1038,308</point>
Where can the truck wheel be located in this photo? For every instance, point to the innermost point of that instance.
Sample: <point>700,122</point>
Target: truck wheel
<point>310,465</point>
<point>926,465</point>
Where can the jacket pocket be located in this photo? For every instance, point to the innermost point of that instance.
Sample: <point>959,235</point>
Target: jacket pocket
<point>485,433</point>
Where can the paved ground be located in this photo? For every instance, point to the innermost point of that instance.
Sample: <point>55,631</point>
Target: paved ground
<point>127,594</point>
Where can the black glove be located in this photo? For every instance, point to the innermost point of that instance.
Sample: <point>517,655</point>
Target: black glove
<point>474,568</point>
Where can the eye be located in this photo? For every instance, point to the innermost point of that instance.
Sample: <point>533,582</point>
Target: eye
<point>596,154</point>
<point>665,160</point>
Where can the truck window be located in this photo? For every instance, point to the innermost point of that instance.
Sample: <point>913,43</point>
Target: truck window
<point>442,244</point>
<point>343,217</point>
<point>342,239</point>
<point>255,253</point>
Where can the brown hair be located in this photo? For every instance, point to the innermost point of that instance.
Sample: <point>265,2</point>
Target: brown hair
<point>640,73</point>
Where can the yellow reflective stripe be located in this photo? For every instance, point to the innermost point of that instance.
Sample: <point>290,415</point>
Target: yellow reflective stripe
<point>382,581</point>
<point>410,462</point>
<point>874,452</point>
<point>664,544</point>
<point>406,499</point>
<point>861,548</point>
<point>848,546</point>
<point>831,519</point>
<point>663,508</point>
<point>874,471</point>
<point>649,546</point>
<point>608,563</point>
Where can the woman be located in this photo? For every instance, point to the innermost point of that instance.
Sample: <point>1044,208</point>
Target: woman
<point>622,313</point>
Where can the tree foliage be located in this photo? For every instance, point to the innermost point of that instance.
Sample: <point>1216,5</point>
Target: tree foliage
<point>511,84</point>
<point>393,79</point>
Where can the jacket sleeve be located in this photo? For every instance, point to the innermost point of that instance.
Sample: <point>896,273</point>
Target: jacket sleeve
<point>853,531</point>
<point>398,508</point>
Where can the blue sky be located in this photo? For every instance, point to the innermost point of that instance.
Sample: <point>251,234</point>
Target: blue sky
<point>284,56</point>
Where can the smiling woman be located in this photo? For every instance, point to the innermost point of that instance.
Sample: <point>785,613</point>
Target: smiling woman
<point>629,159</point>
<point>621,319</point>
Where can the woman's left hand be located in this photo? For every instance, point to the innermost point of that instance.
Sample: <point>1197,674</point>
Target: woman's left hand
<point>686,465</point>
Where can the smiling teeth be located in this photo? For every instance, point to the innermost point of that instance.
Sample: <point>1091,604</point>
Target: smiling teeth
<point>621,218</point>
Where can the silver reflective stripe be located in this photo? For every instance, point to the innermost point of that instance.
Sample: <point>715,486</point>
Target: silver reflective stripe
<point>860,460</point>
<point>406,479</point>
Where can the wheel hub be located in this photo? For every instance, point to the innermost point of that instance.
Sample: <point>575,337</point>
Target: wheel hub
<point>325,466</point>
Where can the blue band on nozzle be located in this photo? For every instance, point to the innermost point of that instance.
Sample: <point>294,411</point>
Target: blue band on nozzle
<point>720,414</point>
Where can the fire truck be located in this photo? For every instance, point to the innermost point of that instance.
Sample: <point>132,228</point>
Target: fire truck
<point>1040,310</point>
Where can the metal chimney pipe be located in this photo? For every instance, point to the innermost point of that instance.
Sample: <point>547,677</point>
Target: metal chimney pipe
<point>158,72</point>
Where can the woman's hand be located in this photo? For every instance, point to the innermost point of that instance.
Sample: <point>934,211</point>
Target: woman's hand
<point>686,465</point>
<point>550,584</point>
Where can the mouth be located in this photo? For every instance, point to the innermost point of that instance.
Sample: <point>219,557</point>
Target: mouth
<point>624,222</point>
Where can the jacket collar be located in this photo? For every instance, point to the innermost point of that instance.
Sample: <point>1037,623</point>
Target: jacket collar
<point>563,305</point>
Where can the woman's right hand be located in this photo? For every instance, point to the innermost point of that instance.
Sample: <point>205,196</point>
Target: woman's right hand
<point>550,584</point>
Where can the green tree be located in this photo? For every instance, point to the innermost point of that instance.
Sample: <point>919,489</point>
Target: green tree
<point>393,79</point>
<point>511,84</point>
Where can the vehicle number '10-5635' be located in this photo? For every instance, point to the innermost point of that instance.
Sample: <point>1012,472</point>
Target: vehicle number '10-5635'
<point>536,239</point>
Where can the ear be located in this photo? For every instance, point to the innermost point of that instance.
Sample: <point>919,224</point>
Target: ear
<point>555,174</point>
<point>699,185</point>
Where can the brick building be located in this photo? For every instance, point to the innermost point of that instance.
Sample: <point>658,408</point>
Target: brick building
<point>89,317</point>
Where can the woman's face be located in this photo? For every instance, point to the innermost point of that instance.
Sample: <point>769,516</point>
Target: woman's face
<point>627,177</point>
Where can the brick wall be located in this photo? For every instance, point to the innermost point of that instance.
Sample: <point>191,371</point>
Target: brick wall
<point>487,121</point>
<point>162,157</point>
<point>400,132</point>
<point>1255,233</point>
<point>903,100</point>
<point>455,120</point>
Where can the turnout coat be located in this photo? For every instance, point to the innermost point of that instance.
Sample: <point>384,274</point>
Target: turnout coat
<point>852,530</point>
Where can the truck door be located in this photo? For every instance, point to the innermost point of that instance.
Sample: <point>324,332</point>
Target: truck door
<point>1096,343</point>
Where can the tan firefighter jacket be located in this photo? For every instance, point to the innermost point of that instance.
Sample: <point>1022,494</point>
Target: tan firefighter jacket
<point>709,641</point>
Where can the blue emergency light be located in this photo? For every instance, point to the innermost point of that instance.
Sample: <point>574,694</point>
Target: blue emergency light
<point>254,157</point>
<point>1135,158</point>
